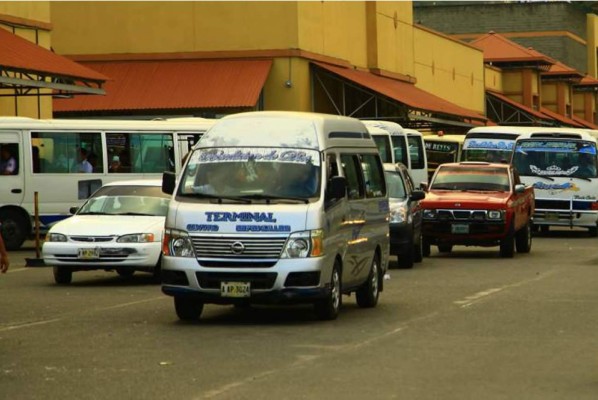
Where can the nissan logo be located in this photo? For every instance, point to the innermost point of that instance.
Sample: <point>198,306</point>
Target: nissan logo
<point>237,248</point>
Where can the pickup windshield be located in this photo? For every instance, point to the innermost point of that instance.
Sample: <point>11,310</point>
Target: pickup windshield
<point>471,178</point>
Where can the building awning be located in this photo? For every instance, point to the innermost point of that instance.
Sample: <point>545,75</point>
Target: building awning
<point>584,123</point>
<point>422,106</point>
<point>174,84</point>
<point>25,66</point>
<point>505,111</point>
<point>560,118</point>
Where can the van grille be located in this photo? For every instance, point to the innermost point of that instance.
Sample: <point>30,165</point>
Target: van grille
<point>238,247</point>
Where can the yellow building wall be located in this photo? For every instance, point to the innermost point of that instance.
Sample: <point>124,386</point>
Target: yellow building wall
<point>449,69</point>
<point>277,96</point>
<point>27,106</point>
<point>512,83</point>
<point>336,29</point>
<point>170,27</point>
<point>579,104</point>
<point>592,44</point>
<point>493,79</point>
<point>549,96</point>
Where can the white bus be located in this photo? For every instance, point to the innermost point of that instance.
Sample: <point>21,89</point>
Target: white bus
<point>397,144</point>
<point>560,163</point>
<point>65,161</point>
<point>492,143</point>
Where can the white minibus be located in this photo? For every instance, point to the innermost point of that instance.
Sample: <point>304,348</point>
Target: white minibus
<point>560,163</point>
<point>492,143</point>
<point>397,144</point>
<point>65,161</point>
<point>277,207</point>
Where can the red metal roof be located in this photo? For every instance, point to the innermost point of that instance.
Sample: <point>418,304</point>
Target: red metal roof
<point>560,69</point>
<point>587,80</point>
<point>498,48</point>
<point>520,106</point>
<point>20,54</point>
<point>173,84</point>
<point>560,118</point>
<point>403,92</point>
<point>583,122</point>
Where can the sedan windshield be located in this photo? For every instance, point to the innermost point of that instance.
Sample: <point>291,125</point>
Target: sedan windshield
<point>252,173</point>
<point>127,200</point>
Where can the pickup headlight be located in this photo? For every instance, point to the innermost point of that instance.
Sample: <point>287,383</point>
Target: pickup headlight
<point>495,215</point>
<point>56,237</point>
<point>304,244</point>
<point>429,214</point>
<point>398,214</point>
<point>177,244</point>
<point>136,238</point>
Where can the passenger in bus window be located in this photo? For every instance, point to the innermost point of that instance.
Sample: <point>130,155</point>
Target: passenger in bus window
<point>115,165</point>
<point>8,164</point>
<point>84,165</point>
<point>587,166</point>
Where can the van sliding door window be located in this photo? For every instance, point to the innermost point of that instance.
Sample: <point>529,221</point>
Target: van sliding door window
<point>373,175</point>
<point>352,174</point>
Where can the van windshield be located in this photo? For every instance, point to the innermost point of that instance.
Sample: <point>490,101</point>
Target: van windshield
<point>252,173</point>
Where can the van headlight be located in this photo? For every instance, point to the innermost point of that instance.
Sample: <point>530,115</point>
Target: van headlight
<point>304,244</point>
<point>136,238</point>
<point>398,214</point>
<point>177,243</point>
<point>495,215</point>
<point>56,237</point>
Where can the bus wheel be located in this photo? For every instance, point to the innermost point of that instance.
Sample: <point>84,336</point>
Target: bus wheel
<point>62,275</point>
<point>15,229</point>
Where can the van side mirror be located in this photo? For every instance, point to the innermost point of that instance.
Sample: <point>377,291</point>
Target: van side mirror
<point>168,182</point>
<point>337,187</point>
<point>73,210</point>
<point>417,195</point>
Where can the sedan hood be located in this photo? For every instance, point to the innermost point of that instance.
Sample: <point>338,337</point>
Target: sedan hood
<point>109,225</point>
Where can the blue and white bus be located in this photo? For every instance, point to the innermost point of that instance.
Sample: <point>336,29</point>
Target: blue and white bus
<point>561,164</point>
<point>491,143</point>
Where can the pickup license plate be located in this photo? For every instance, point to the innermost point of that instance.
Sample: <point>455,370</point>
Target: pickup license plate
<point>235,289</point>
<point>88,254</point>
<point>459,228</point>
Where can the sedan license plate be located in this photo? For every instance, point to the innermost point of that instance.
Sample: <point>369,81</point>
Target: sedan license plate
<point>88,254</point>
<point>235,289</point>
<point>459,228</point>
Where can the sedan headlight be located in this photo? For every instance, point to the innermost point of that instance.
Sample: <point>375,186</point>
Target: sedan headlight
<point>495,215</point>
<point>304,244</point>
<point>177,244</point>
<point>136,238</point>
<point>398,214</point>
<point>56,237</point>
<point>429,214</point>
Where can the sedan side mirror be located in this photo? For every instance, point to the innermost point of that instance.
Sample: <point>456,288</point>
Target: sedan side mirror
<point>519,188</point>
<point>73,210</point>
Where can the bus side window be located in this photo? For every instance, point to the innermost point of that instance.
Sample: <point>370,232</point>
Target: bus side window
<point>9,159</point>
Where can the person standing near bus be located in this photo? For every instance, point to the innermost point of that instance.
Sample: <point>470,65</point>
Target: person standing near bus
<point>4,262</point>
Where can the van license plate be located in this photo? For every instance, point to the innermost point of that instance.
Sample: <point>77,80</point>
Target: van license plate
<point>88,254</point>
<point>459,228</point>
<point>235,289</point>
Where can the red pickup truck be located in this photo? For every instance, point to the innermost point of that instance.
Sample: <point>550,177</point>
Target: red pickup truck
<point>477,204</point>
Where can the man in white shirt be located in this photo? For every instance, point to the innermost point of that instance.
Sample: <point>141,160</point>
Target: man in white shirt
<point>8,164</point>
<point>84,165</point>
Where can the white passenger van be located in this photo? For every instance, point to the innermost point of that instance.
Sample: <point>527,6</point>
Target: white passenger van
<point>492,143</point>
<point>277,207</point>
<point>397,144</point>
<point>65,161</point>
<point>561,165</point>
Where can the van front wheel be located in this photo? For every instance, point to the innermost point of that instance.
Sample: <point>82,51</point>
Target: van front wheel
<point>329,307</point>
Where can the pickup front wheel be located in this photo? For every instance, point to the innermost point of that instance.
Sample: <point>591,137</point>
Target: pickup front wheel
<point>523,239</point>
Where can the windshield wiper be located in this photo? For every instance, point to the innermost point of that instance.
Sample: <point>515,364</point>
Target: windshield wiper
<point>217,197</point>
<point>269,198</point>
<point>136,213</point>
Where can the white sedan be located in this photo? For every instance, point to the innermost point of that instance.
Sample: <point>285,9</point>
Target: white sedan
<point>120,227</point>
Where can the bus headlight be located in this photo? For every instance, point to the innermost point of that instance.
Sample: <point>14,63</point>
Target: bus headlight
<point>304,244</point>
<point>136,238</point>
<point>177,244</point>
<point>56,237</point>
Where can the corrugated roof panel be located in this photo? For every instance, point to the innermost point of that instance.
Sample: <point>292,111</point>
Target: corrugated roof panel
<point>141,85</point>
<point>561,118</point>
<point>403,92</point>
<point>498,48</point>
<point>21,54</point>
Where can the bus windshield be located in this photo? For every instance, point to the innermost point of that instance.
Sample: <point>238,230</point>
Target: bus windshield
<point>555,158</point>
<point>252,173</point>
<point>489,150</point>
